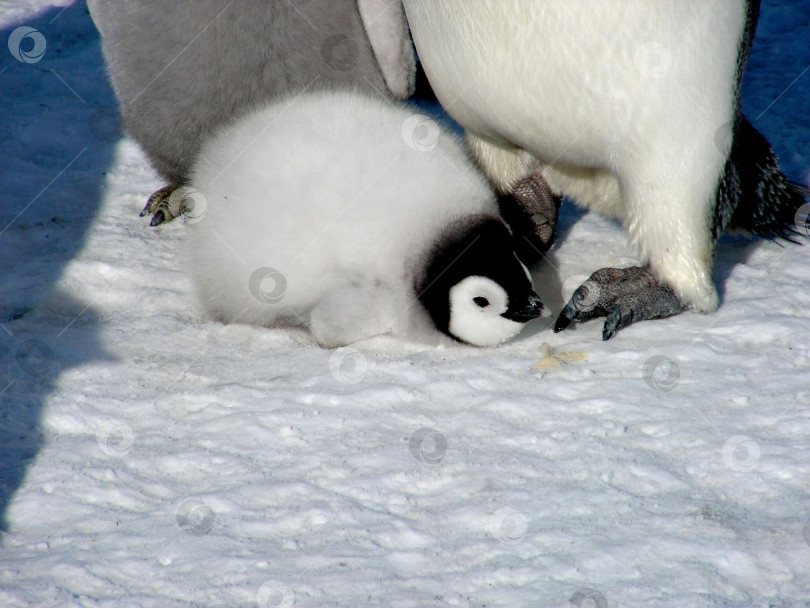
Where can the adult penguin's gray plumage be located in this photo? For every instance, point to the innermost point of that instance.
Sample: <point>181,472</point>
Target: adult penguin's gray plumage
<point>629,107</point>
<point>182,68</point>
<point>352,216</point>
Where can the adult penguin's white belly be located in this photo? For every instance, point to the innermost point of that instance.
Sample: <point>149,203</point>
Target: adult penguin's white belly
<point>574,82</point>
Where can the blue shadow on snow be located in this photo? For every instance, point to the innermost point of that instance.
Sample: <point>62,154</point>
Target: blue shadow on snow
<point>58,129</point>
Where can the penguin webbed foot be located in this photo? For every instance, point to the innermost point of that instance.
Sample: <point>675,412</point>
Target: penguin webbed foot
<point>531,210</point>
<point>624,296</point>
<point>162,206</point>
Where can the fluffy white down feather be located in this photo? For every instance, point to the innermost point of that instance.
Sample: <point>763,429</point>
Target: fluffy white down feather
<point>323,205</point>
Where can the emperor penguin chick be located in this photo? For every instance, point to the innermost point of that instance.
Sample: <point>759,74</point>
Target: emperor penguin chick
<point>353,217</point>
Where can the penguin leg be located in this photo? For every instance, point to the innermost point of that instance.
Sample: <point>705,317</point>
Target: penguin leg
<point>624,296</point>
<point>163,205</point>
<point>527,203</point>
<point>531,210</point>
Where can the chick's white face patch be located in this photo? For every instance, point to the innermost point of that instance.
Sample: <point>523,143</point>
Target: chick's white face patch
<point>476,306</point>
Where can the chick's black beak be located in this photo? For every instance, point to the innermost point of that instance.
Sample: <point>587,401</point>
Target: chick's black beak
<point>532,309</point>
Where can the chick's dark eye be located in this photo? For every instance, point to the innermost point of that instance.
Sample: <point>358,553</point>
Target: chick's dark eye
<point>482,302</point>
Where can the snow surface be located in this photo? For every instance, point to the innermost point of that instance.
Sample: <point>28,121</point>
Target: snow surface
<point>151,457</point>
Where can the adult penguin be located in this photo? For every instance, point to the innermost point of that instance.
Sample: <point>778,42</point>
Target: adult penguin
<point>631,108</point>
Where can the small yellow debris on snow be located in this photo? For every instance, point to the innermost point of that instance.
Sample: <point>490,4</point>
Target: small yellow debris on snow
<point>557,359</point>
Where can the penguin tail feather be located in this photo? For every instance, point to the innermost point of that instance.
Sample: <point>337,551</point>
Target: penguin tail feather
<point>755,196</point>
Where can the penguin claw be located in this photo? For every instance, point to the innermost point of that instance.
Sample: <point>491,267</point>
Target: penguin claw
<point>158,218</point>
<point>623,296</point>
<point>564,320</point>
<point>158,205</point>
<point>616,319</point>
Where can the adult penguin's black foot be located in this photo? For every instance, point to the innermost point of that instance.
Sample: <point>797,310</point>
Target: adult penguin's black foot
<point>531,210</point>
<point>624,296</point>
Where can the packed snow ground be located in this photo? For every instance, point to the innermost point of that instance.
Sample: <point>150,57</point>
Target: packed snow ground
<point>151,457</point>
